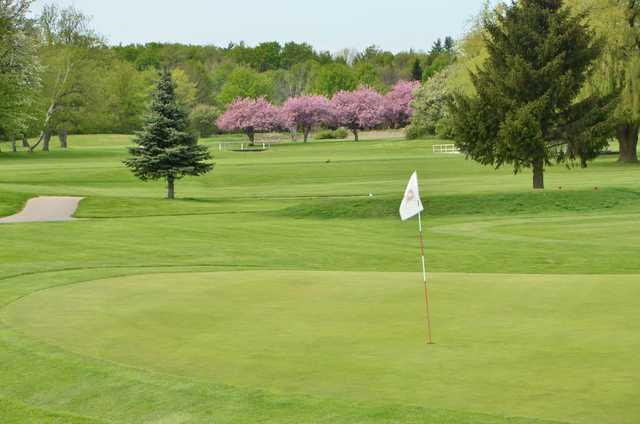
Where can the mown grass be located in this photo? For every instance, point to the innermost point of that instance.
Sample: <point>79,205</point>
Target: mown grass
<point>495,204</point>
<point>307,208</point>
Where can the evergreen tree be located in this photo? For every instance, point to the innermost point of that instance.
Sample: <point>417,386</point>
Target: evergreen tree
<point>437,48</point>
<point>416,71</point>
<point>165,149</point>
<point>449,44</point>
<point>527,111</point>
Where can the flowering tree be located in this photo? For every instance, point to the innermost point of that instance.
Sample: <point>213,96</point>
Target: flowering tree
<point>430,106</point>
<point>358,110</point>
<point>250,116</point>
<point>397,103</point>
<point>305,112</point>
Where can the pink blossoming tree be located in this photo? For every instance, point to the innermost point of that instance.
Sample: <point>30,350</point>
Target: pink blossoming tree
<point>305,112</point>
<point>397,103</point>
<point>250,116</point>
<point>358,110</point>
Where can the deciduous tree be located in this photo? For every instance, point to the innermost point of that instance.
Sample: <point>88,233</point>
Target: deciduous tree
<point>306,112</point>
<point>329,79</point>
<point>250,116</point>
<point>527,111</point>
<point>245,83</point>
<point>19,67</point>
<point>358,110</point>
<point>396,103</point>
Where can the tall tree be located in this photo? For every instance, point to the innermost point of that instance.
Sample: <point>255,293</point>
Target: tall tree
<point>527,111</point>
<point>329,79</point>
<point>245,82</point>
<point>165,149</point>
<point>416,71</point>
<point>69,49</point>
<point>19,68</point>
<point>617,22</point>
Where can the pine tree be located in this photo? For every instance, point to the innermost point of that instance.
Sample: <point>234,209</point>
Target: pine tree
<point>416,71</point>
<point>528,111</point>
<point>437,47</point>
<point>165,149</point>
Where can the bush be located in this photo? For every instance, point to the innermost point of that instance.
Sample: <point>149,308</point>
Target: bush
<point>203,119</point>
<point>444,128</point>
<point>413,132</point>
<point>341,133</point>
<point>338,134</point>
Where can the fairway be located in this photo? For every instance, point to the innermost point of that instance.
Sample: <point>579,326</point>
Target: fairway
<point>277,290</point>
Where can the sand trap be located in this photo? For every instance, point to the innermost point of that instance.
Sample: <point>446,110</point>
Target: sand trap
<point>42,209</point>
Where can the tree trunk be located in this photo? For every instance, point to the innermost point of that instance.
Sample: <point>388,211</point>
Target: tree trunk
<point>538,174</point>
<point>45,141</point>
<point>252,137</point>
<point>355,134</point>
<point>14,147</point>
<point>171,190</point>
<point>63,138</point>
<point>306,134</point>
<point>627,135</point>
<point>25,141</point>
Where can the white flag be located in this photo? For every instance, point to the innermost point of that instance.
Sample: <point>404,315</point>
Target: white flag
<point>411,204</point>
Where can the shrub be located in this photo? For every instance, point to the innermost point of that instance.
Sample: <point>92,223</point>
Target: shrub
<point>338,134</point>
<point>341,133</point>
<point>413,132</point>
<point>203,119</point>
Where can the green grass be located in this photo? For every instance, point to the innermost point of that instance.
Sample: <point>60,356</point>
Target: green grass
<point>205,309</point>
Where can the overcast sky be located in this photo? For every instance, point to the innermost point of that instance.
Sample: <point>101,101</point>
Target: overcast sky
<point>325,24</point>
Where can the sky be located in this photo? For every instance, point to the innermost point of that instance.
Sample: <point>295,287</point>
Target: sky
<point>332,25</point>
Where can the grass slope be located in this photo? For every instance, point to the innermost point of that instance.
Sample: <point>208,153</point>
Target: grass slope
<point>307,207</point>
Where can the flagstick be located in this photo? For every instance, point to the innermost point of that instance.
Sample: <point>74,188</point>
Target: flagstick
<point>424,279</point>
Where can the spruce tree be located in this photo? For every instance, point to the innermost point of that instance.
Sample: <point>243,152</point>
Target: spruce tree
<point>416,71</point>
<point>165,148</point>
<point>528,110</point>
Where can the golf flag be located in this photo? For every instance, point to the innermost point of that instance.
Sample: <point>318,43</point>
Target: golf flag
<point>411,203</point>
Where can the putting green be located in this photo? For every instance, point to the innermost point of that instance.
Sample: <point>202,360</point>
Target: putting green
<point>519,345</point>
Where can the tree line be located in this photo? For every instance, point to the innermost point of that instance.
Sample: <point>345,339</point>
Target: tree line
<point>58,76</point>
<point>532,84</point>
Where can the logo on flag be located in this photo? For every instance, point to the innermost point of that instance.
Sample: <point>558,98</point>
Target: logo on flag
<point>411,203</point>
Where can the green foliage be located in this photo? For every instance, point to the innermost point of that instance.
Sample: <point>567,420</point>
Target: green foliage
<point>203,119</point>
<point>429,105</point>
<point>440,62</point>
<point>165,148</point>
<point>244,82</point>
<point>337,134</point>
<point>527,112</point>
<point>367,74</point>
<point>618,69</point>
<point>125,98</point>
<point>186,91</point>
<point>416,71</point>
<point>472,51</point>
<point>19,67</point>
<point>330,79</point>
